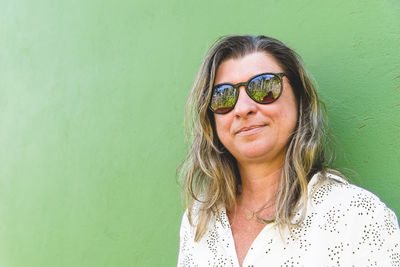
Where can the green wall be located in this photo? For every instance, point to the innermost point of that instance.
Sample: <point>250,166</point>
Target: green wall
<point>91,106</point>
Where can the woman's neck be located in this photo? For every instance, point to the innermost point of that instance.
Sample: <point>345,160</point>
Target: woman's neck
<point>259,183</point>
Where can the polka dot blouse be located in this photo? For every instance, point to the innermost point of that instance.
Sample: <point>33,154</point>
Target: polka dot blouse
<point>345,225</point>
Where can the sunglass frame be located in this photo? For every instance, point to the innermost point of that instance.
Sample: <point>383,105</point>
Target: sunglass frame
<point>245,84</point>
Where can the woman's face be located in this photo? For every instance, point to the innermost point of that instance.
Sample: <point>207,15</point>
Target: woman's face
<point>254,132</point>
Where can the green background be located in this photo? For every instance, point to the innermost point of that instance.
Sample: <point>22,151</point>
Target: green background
<point>91,107</point>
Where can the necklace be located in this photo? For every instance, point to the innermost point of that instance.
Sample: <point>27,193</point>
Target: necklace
<point>265,220</point>
<point>254,213</point>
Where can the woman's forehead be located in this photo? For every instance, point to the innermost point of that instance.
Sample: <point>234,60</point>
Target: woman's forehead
<point>235,70</point>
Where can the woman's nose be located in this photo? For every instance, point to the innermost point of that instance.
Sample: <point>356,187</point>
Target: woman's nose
<point>245,106</point>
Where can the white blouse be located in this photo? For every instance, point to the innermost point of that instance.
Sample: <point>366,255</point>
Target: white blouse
<point>345,225</point>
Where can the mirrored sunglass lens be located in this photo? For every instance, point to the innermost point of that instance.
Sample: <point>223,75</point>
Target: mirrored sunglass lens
<point>223,98</point>
<point>265,88</point>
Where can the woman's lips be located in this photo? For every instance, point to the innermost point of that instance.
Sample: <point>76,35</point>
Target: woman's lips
<point>250,130</point>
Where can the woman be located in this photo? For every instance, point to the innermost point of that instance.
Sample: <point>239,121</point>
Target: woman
<point>257,185</point>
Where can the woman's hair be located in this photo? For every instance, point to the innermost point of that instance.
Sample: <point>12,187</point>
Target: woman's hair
<point>210,177</point>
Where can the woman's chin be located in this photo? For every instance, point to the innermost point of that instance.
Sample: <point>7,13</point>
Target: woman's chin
<point>254,154</point>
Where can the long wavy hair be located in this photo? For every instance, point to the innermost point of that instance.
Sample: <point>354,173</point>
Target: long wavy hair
<point>209,175</point>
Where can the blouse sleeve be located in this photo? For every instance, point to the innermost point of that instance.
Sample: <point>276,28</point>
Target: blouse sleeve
<point>185,257</point>
<point>377,239</point>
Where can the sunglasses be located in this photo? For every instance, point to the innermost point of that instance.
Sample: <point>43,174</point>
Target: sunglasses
<point>263,88</point>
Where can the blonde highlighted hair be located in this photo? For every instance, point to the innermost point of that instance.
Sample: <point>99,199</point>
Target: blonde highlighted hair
<point>209,173</point>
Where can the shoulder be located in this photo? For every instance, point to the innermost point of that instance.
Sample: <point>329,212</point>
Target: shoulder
<point>188,225</point>
<point>191,216</point>
<point>190,220</point>
<point>336,200</point>
<point>332,189</point>
<point>356,218</point>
